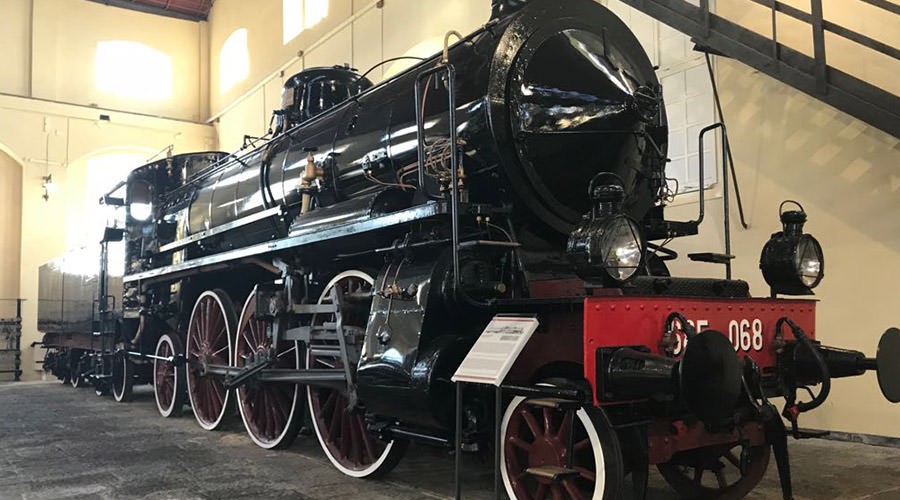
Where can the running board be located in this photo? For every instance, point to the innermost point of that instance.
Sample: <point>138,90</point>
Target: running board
<point>275,212</point>
<point>551,472</point>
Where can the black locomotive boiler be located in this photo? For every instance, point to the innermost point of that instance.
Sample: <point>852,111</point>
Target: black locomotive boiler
<point>338,271</point>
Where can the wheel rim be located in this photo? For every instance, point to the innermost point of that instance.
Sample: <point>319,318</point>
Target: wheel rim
<point>64,377</point>
<point>76,379</point>
<point>342,431</point>
<point>716,473</point>
<point>535,436</point>
<point>269,410</point>
<point>209,342</point>
<point>166,383</point>
<point>121,374</point>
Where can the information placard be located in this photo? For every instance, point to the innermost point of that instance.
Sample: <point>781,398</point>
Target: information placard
<point>493,354</point>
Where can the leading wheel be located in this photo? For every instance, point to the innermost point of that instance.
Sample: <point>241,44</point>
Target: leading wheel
<point>122,378</point>
<point>340,427</point>
<point>76,369</point>
<point>209,336</point>
<point>60,365</point>
<point>271,411</point>
<point>720,473</point>
<point>535,442</point>
<point>168,379</point>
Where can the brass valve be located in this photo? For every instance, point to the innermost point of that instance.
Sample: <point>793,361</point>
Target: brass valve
<point>311,173</point>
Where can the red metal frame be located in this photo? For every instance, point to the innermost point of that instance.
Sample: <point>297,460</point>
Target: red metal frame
<point>664,439</point>
<point>639,321</point>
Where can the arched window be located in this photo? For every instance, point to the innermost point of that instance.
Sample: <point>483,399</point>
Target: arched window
<point>234,60</point>
<point>300,15</point>
<point>96,175</point>
<point>133,70</point>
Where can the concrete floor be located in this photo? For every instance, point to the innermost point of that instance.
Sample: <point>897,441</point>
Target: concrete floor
<point>60,443</point>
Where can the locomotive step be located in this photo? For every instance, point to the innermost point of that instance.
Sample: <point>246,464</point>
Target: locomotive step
<point>558,403</point>
<point>551,472</point>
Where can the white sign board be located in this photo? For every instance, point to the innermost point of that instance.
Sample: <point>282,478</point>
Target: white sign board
<point>495,351</point>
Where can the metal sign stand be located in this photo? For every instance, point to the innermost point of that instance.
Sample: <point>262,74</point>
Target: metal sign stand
<point>488,363</point>
<point>498,440</point>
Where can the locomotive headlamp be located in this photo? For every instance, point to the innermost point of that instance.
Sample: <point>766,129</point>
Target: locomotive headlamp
<point>141,211</point>
<point>607,246</point>
<point>792,262</point>
<point>140,204</point>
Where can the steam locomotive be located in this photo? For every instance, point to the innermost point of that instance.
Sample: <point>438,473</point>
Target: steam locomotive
<point>338,271</point>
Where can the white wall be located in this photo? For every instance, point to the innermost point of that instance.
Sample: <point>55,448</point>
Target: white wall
<point>50,49</point>
<point>356,36</point>
<point>50,105</point>
<point>10,226</point>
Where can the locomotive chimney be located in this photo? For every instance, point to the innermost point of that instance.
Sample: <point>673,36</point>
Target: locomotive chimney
<point>503,8</point>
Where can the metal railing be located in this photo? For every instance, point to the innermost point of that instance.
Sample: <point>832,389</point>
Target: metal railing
<point>11,337</point>
<point>819,25</point>
<point>716,34</point>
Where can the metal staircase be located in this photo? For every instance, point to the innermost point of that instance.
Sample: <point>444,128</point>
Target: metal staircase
<point>811,75</point>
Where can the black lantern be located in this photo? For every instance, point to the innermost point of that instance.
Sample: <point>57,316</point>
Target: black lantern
<point>792,262</point>
<point>607,246</point>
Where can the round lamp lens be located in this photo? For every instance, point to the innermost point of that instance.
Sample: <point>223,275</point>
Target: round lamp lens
<point>808,260</point>
<point>622,249</point>
<point>141,211</point>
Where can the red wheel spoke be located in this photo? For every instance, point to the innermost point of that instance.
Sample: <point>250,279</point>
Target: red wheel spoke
<point>572,489</point>
<point>329,402</point>
<point>541,492</point>
<point>563,430</point>
<point>219,391</point>
<point>211,396</point>
<point>195,344</point>
<point>280,404</point>
<point>520,443</point>
<point>355,445</point>
<point>582,445</point>
<point>335,421</point>
<point>531,422</point>
<point>557,491</point>
<point>293,348</point>
<point>733,459</point>
<point>207,317</point>
<point>585,473</point>
<point>345,439</point>
<point>221,337</point>
<point>252,329</point>
<point>272,417</point>
<point>262,418</point>
<point>367,440</point>
<point>217,353</point>
<point>548,421</point>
